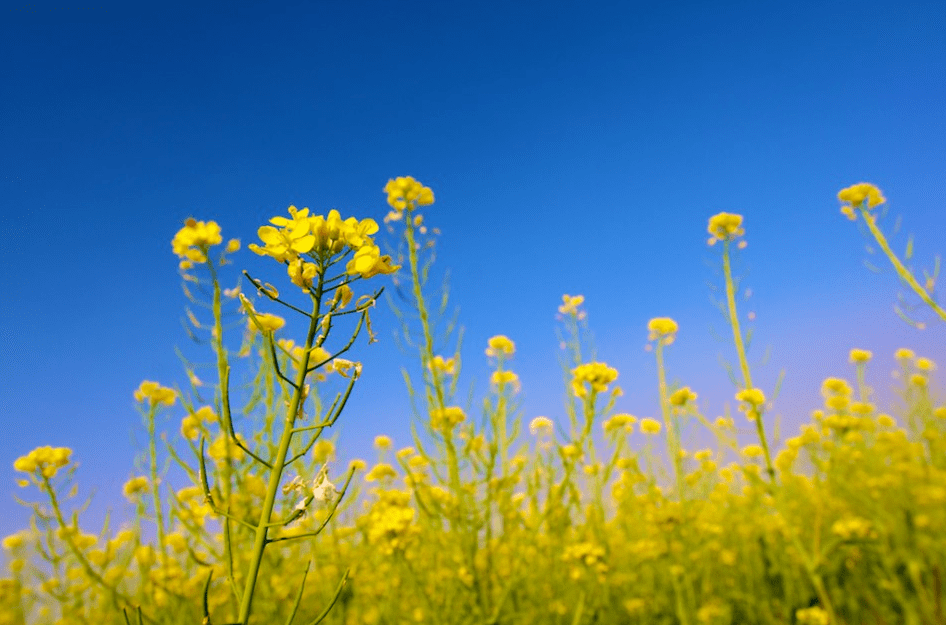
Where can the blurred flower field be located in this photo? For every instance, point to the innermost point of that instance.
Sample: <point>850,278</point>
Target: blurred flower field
<point>492,520</point>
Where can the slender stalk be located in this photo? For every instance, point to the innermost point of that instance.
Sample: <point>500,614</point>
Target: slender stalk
<point>259,544</point>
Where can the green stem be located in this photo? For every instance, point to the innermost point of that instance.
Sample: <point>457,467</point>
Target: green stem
<point>259,544</point>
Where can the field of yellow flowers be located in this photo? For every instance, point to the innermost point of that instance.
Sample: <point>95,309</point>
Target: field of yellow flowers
<point>485,522</point>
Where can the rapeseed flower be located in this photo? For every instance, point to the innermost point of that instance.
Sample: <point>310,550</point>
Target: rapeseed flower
<point>500,345</point>
<point>135,486</point>
<point>860,355</point>
<point>445,419</point>
<point>855,195</point>
<point>48,460</point>
<point>598,374</point>
<point>540,425</point>
<point>725,227</point>
<point>404,193</point>
<point>570,304</point>
<point>446,367</point>
<point>662,328</point>
<point>155,393</point>
<point>619,422</point>
<point>193,240</point>
<point>650,426</point>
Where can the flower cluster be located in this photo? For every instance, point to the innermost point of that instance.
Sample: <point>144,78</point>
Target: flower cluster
<point>155,394</point>
<point>570,304</point>
<point>598,374</point>
<point>405,193</point>
<point>662,328</point>
<point>193,240</point>
<point>501,346</point>
<point>47,459</point>
<point>444,420</point>
<point>290,240</point>
<point>725,227</point>
<point>855,195</point>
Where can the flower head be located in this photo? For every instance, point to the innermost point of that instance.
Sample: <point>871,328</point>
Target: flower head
<point>662,328</point>
<point>48,460</point>
<point>155,394</point>
<point>501,345</point>
<point>193,240</point>
<point>725,227</point>
<point>404,193</point>
<point>855,195</point>
<point>598,374</point>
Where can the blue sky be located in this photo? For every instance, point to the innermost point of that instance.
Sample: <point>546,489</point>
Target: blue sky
<point>573,148</point>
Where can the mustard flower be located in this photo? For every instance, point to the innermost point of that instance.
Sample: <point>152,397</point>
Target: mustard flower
<point>233,245</point>
<point>382,442</point>
<point>380,471</point>
<point>682,396</point>
<point>752,451</point>
<point>501,345</point>
<point>835,386</point>
<point>357,233</point>
<point>155,393</point>
<point>368,262</point>
<point>192,241</point>
<point>703,454</point>
<point>406,452</point>
<point>924,364</point>
<point>860,355</point>
<point>190,427</point>
<point>135,486</point>
<point>650,426</point>
<point>404,193</point>
<point>618,422</point>
<point>856,194</point>
<point>444,420</point>
<point>598,374</point>
<point>323,450</point>
<point>661,327</point>
<point>570,304</point>
<point>269,323</point>
<point>206,414</point>
<point>343,295</point>
<point>286,243</point>
<point>302,274</point>
<point>329,232</point>
<point>47,459</point>
<point>13,541</point>
<point>504,378</point>
<point>725,227</point>
<point>540,424</point>
<point>446,367</point>
<point>904,354</point>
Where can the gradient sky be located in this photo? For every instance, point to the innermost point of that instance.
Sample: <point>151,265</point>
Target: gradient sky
<point>573,148</point>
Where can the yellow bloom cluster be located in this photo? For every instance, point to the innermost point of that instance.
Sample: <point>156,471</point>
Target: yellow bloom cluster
<point>155,393</point>
<point>725,227</point>
<point>269,323</point>
<point>540,424</point>
<point>755,398</point>
<point>404,193</point>
<point>193,240</point>
<point>682,397</point>
<point>570,304</point>
<point>500,345</point>
<point>320,237</point>
<point>619,422</point>
<point>598,374</point>
<point>390,522</point>
<point>447,367</point>
<point>650,426</point>
<point>661,327</point>
<point>855,195</point>
<point>135,486</point>
<point>47,459</point>
<point>444,420</point>
<point>505,378</point>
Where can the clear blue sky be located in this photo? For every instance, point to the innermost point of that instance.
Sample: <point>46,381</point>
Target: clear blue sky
<point>572,147</point>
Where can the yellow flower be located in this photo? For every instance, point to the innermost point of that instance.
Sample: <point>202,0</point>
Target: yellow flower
<point>622,421</point>
<point>650,426</point>
<point>47,459</point>
<point>856,194</point>
<point>135,486</point>
<point>156,393</point>
<point>503,378</point>
<point>444,420</point>
<point>406,193</point>
<point>446,367</point>
<point>682,396</point>
<point>904,354</point>
<point>343,295</point>
<point>660,327</point>
<point>570,304</point>
<point>752,451</point>
<point>302,274</point>
<point>860,355</point>
<point>288,242</point>
<point>13,541</point>
<point>269,323</point>
<point>190,427</point>
<point>835,386</point>
<point>501,345</point>
<point>368,262</point>
<point>193,240</point>
<point>725,227</point>
<point>540,424</point>
<point>924,364</point>
<point>382,442</point>
<point>233,245</point>
<point>598,374</point>
<point>207,414</point>
<point>379,472</point>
